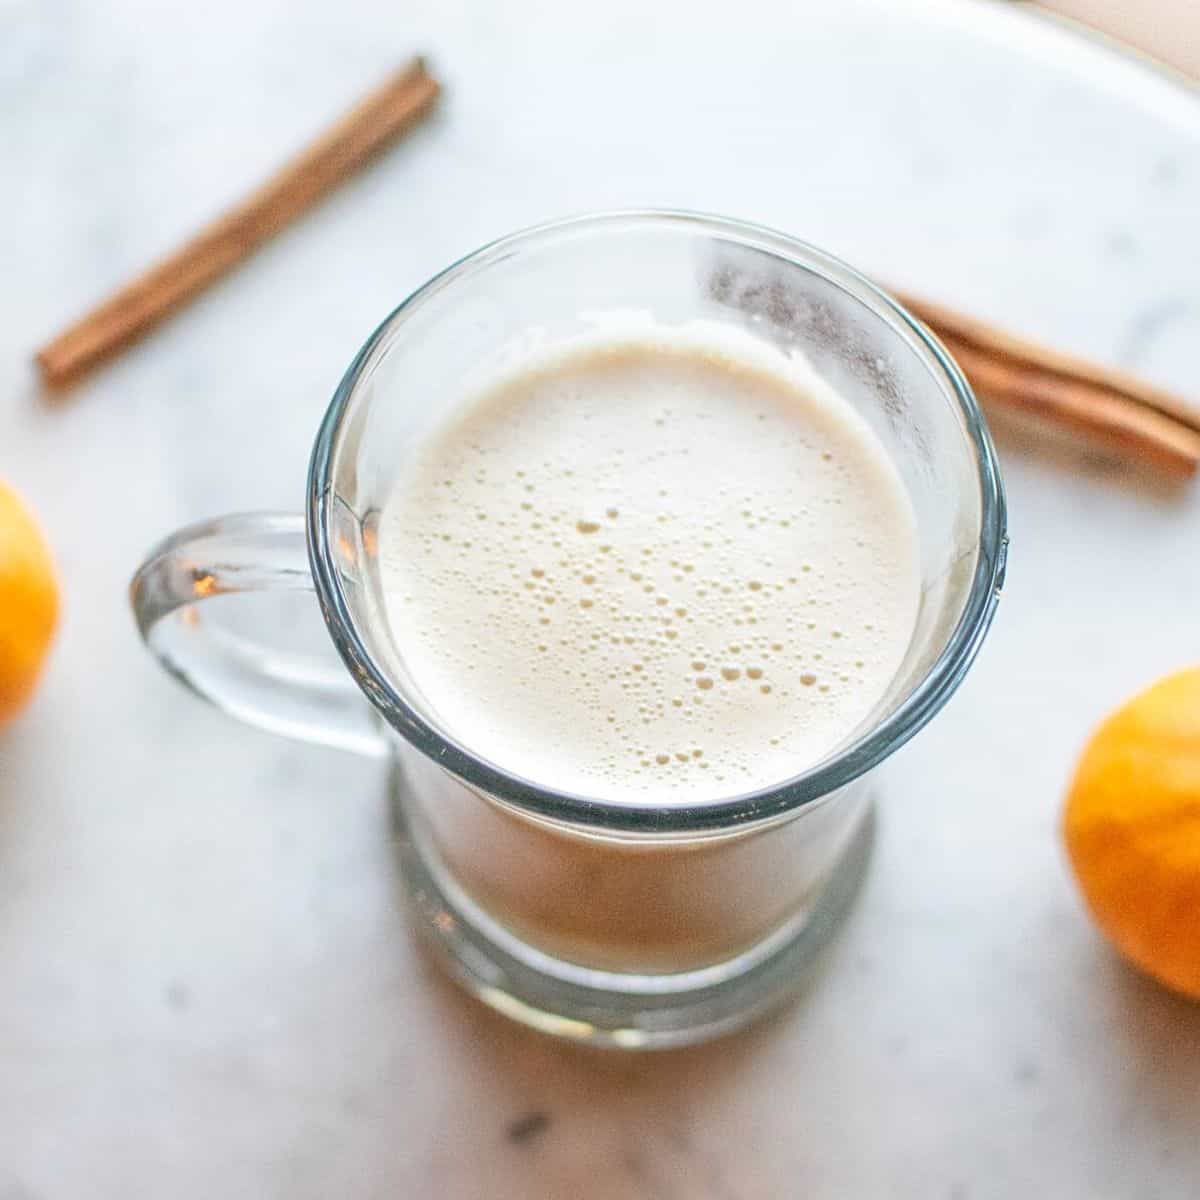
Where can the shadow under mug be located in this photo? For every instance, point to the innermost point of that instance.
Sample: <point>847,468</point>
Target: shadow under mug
<point>618,924</point>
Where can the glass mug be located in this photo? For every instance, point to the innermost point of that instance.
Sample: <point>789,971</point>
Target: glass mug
<point>615,923</point>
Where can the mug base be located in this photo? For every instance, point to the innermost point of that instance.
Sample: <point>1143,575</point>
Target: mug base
<point>608,1008</point>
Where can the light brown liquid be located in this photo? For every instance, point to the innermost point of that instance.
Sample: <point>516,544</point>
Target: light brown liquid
<point>640,905</point>
<point>663,568</point>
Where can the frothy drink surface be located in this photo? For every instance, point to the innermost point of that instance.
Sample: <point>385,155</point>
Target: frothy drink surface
<point>655,566</point>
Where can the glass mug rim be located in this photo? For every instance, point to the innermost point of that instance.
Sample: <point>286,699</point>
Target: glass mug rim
<point>792,794</point>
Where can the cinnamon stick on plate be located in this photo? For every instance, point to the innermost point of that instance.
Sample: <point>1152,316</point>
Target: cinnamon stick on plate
<point>1105,406</point>
<point>371,125</point>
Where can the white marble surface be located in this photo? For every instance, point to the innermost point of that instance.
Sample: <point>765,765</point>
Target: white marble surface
<point>206,986</point>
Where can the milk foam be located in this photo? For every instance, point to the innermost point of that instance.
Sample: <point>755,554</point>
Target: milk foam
<point>659,565</point>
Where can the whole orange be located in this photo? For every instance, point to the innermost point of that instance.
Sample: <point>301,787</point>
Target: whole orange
<point>1132,829</point>
<point>28,602</point>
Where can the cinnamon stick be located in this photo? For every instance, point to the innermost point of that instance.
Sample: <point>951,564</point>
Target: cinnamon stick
<point>998,343</point>
<point>140,305</point>
<point>1080,405</point>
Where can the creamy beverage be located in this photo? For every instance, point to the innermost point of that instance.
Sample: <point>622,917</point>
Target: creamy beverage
<point>644,539</point>
<point>656,566</point>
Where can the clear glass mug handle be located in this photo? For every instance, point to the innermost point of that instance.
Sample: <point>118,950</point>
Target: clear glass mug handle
<point>248,552</point>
